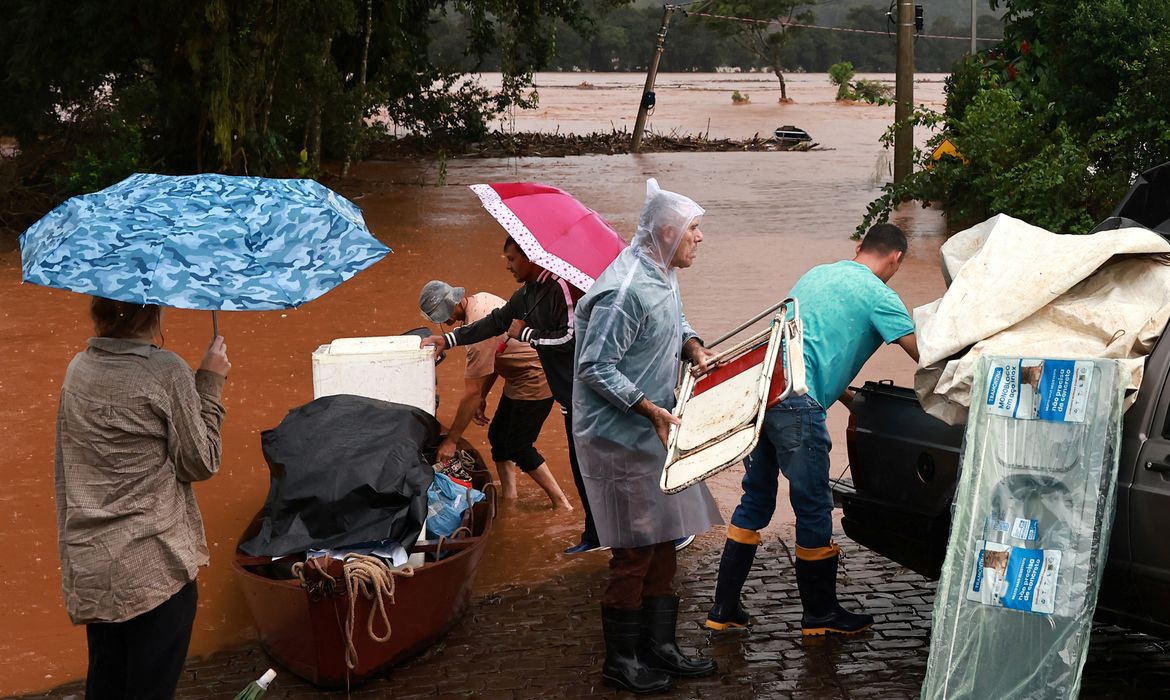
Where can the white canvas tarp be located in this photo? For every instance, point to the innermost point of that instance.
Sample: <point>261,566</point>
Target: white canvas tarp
<point>1017,289</point>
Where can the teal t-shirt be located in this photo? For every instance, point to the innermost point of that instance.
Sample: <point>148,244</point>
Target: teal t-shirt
<point>848,312</point>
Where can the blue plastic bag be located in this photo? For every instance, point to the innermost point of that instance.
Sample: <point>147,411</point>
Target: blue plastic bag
<point>446,503</point>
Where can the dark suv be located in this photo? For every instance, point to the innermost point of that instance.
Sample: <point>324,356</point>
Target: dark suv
<point>905,468</point>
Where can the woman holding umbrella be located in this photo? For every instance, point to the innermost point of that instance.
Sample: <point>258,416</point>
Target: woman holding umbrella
<point>135,428</point>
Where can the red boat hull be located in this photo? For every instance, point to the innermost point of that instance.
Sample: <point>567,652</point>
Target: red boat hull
<point>306,634</point>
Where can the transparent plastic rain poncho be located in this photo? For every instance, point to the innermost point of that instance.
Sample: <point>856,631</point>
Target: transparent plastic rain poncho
<point>630,334</point>
<point>1030,532</point>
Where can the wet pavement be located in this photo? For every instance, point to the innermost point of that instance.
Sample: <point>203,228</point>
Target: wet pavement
<point>544,640</point>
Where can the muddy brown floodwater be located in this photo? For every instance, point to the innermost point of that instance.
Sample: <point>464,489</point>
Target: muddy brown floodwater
<point>770,216</point>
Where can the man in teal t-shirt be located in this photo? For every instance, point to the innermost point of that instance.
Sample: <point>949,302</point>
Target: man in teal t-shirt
<point>848,312</point>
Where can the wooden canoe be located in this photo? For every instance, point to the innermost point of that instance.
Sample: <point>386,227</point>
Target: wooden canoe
<point>304,629</point>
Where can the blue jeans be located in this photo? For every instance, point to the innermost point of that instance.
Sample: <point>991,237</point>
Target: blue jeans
<point>794,441</point>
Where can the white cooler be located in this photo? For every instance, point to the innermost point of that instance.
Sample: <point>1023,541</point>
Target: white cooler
<point>390,368</point>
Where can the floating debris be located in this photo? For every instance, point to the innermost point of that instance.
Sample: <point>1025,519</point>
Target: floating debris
<point>499,144</point>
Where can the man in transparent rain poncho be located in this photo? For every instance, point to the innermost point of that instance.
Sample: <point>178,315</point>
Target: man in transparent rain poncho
<point>631,337</point>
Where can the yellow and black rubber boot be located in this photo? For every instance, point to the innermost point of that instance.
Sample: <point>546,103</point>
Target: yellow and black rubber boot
<point>738,554</point>
<point>816,577</point>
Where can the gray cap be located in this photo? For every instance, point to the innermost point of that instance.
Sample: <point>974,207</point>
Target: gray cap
<point>438,299</point>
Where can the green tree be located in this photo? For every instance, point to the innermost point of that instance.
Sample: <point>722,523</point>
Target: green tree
<point>762,28</point>
<point>246,86</point>
<point>1055,120</point>
<point>840,74</point>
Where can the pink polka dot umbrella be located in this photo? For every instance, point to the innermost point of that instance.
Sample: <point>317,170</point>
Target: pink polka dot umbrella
<point>553,229</point>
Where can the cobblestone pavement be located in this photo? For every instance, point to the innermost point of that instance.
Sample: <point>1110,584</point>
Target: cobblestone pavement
<point>545,641</point>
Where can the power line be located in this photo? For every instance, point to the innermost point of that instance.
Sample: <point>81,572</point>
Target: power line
<point>849,30</point>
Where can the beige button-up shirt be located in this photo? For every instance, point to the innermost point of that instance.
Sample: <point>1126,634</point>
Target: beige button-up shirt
<point>135,426</point>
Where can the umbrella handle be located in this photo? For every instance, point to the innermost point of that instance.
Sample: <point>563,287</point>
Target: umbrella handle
<point>214,325</point>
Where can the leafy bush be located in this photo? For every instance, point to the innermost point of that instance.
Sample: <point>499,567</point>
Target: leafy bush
<point>1015,166</point>
<point>1053,122</point>
<point>740,98</point>
<point>1019,168</point>
<point>840,74</point>
<point>869,90</point>
<point>115,153</point>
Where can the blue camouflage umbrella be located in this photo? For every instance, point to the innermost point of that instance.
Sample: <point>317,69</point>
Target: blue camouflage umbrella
<point>201,242</point>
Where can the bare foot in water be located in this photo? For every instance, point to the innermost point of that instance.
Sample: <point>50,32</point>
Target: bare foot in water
<point>545,479</point>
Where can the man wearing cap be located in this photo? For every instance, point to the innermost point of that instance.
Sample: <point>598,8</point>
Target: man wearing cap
<point>540,313</point>
<point>524,404</point>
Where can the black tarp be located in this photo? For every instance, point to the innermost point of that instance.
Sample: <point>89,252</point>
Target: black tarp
<point>1146,204</point>
<point>345,470</point>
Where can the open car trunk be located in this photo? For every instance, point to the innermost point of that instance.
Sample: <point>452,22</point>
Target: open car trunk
<point>905,466</point>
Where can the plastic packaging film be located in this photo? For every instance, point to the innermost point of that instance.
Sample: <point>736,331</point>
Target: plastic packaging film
<point>1030,530</point>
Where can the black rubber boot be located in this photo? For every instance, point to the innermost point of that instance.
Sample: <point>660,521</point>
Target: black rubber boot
<point>734,567</point>
<point>623,668</point>
<point>817,581</point>
<point>658,648</point>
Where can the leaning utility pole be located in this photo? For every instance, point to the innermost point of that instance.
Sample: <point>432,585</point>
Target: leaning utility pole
<point>648,91</point>
<point>904,93</point>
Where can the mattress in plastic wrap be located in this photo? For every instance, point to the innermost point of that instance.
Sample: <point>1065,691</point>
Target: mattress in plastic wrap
<point>1030,530</point>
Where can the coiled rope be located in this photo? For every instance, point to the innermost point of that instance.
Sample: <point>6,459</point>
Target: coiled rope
<point>370,578</point>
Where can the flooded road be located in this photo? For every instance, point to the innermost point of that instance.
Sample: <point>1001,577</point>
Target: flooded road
<point>770,216</point>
